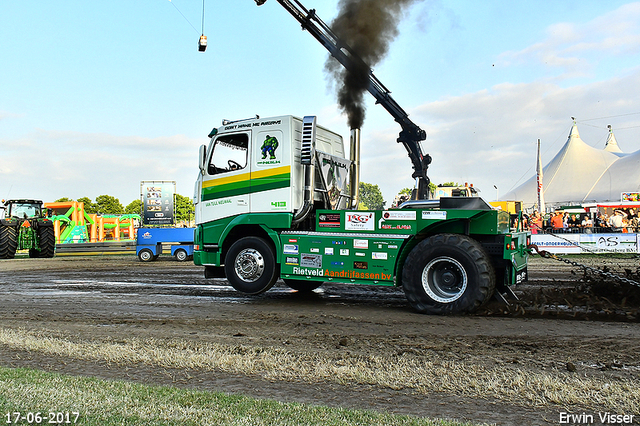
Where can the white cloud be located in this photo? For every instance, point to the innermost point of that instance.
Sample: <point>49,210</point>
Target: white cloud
<point>49,165</point>
<point>575,48</point>
<point>489,137</point>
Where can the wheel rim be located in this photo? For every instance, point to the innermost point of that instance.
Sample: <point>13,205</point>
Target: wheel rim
<point>249,265</point>
<point>444,279</point>
<point>181,255</point>
<point>145,255</point>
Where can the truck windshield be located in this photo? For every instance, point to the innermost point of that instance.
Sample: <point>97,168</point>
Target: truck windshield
<point>229,154</point>
<point>23,210</point>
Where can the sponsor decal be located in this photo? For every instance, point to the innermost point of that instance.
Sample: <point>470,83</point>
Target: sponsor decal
<point>146,235</point>
<point>329,220</point>
<point>361,244</point>
<point>358,221</point>
<point>337,263</point>
<point>268,151</point>
<point>344,252</point>
<point>292,261</point>
<point>328,251</point>
<point>379,256</point>
<point>356,274</point>
<point>404,227</point>
<point>360,254</point>
<point>290,249</point>
<point>314,250</point>
<point>399,215</point>
<point>293,240</point>
<point>434,215</point>
<point>308,271</point>
<point>311,260</point>
<point>393,246</point>
<point>360,265</point>
<point>338,242</point>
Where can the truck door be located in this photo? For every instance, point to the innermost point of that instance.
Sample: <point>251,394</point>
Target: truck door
<point>227,181</point>
<point>271,171</point>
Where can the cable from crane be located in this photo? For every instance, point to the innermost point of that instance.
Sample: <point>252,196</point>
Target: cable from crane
<point>185,18</point>
<point>202,16</point>
<point>202,43</point>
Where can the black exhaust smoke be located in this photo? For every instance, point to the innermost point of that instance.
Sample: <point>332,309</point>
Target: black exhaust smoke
<point>367,26</point>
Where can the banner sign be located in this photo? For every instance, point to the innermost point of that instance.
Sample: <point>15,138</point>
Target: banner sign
<point>630,196</point>
<point>157,202</point>
<point>587,243</point>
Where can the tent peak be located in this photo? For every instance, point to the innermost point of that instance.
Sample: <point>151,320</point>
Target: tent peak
<point>574,130</point>
<point>612,143</point>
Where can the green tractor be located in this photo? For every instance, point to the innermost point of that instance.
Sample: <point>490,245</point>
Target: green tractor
<point>26,226</point>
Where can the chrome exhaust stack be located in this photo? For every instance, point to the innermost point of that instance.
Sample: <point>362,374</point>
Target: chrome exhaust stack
<point>354,179</point>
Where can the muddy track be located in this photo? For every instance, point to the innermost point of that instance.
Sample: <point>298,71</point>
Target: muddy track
<point>566,325</point>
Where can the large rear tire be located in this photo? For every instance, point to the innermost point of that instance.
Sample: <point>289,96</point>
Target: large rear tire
<point>448,274</point>
<point>47,241</point>
<point>250,265</point>
<point>8,242</point>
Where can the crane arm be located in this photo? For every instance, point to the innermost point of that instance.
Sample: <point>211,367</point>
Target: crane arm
<point>411,133</point>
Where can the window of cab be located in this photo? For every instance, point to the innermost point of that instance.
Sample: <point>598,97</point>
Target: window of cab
<point>230,153</point>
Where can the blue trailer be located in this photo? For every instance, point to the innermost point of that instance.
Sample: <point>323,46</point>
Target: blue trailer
<point>150,241</point>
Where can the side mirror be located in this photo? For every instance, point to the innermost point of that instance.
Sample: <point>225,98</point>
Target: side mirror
<point>202,158</point>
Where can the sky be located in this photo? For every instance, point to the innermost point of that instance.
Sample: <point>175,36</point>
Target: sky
<point>96,97</point>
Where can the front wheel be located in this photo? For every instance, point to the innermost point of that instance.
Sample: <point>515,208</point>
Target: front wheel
<point>145,255</point>
<point>250,265</point>
<point>47,241</point>
<point>448,274</point>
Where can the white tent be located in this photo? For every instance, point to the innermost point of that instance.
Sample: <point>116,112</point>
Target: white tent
<point>580,173</point>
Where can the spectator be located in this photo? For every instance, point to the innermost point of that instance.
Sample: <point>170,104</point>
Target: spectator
<point>634,221</point>
<point>536,223</point>
<point>574,222</point>
<point>556,221</point>
<point>601,221</point>
<point>587,224</point>
<point>616,221</point>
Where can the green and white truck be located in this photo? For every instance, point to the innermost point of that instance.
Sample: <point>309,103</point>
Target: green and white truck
<point>277,198</point>
<point>271,202</point>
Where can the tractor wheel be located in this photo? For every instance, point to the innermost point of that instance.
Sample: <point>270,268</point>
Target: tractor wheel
<point>8,242</point>
<point>145,255</point>
<point>303,286</point>
<point>250,265</point>
<point>448,274</point>
<point>181,255</point>
<point>47,240</point>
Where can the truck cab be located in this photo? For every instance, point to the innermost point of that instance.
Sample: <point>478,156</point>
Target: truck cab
<point>252,173</point>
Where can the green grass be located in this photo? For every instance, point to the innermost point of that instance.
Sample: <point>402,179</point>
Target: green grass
<point>102,402</point>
